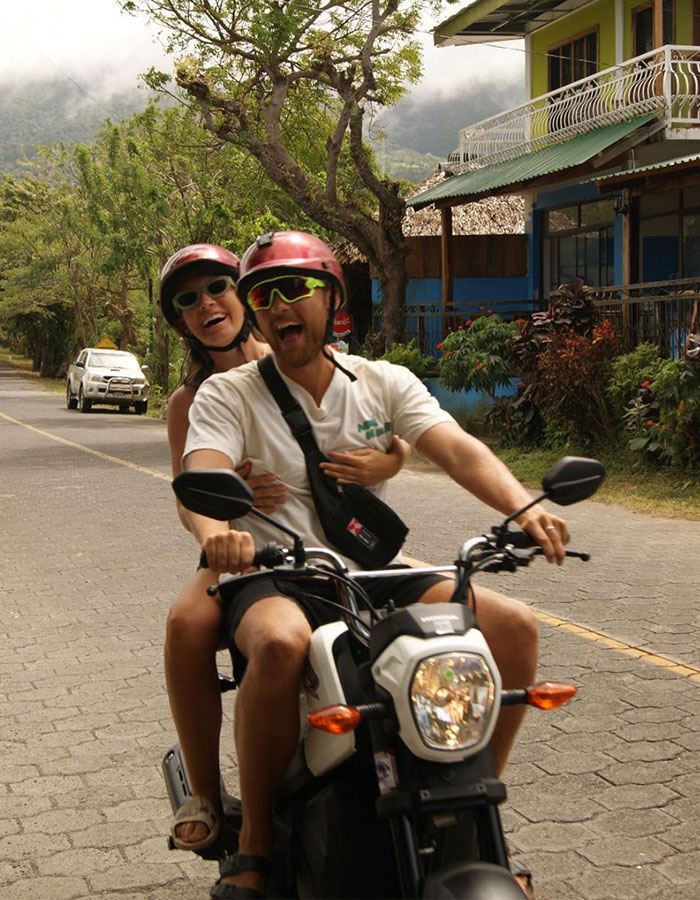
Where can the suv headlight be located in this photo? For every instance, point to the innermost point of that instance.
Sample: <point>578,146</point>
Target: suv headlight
<point>452,697</point>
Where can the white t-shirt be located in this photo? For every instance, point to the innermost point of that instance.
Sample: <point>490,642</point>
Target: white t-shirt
<point>234,413</point>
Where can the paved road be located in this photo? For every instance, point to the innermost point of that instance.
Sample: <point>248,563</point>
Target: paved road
<point>602,793</point>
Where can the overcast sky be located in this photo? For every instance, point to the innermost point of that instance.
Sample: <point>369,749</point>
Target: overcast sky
<point>55,38</point>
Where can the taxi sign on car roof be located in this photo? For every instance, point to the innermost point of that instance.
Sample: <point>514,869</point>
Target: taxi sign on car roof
<point>106,344</point>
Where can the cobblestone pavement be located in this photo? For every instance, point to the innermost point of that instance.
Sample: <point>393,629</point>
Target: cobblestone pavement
<point>602,794</point>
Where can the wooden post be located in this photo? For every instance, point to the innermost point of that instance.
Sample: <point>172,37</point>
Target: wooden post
<point>446,257</point>
<point>658,23</point>
<point>626,268</point>
<point>446,269</point>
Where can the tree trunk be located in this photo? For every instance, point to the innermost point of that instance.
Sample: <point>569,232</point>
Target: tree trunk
<point>162,355</point>
<point>393,280</point>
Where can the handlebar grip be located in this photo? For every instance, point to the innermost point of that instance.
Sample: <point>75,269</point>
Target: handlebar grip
<point>520,539</point>
<point>270,555</point>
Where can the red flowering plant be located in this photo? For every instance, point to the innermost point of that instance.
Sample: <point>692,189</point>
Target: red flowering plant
<point>573,373</point>
<point>475,356</point>
<point>663,419</point>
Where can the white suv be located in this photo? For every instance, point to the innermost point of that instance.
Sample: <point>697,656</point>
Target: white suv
<point>113,377</point>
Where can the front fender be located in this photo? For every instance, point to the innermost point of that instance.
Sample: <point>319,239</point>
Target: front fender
<point>471,881</point>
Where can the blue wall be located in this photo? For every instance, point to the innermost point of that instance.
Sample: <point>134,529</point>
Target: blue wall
<point>467,291</point>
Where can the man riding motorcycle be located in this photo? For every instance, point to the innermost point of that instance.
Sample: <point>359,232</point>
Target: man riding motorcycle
<point>293,285</point>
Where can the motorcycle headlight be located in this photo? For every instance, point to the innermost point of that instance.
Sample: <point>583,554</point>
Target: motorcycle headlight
<point>452,697</point>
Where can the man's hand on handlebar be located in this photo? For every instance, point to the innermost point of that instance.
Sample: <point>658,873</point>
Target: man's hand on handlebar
<point>229,551</point>
<point>550,532</point>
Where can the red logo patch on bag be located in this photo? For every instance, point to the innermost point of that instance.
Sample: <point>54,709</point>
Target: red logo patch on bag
<point>362,533</point>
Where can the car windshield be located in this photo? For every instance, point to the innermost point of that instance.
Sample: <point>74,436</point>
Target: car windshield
<point>113,361</point>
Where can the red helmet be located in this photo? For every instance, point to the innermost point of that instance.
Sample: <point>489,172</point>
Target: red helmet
<point>204,258</point>
<point>279,252</point>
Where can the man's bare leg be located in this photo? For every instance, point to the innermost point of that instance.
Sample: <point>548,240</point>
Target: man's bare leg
<point>274,637</point>
<point>191,637</point>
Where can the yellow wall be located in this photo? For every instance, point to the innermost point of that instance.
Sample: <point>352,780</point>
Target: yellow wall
<point>602,15</point>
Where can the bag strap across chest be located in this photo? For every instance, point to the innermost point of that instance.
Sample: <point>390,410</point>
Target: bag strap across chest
<point>294,415</point>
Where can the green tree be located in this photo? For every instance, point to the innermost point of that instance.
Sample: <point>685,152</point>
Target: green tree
<point>35,259</point>
<point>85,233</point>
<point>293,83</point>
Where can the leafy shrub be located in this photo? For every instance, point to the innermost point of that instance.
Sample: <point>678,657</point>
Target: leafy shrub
<point>373,345</point>
<point>476,356</point>
<point>630,372</point>
<point>574,370</point>
<point>411,357</point>
<point>664,417</point>
<point>528,418</point>
<point>157,402</point>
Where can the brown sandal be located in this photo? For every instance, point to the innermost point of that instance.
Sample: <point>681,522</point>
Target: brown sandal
<point>200,811</point>
<point>523,876</point>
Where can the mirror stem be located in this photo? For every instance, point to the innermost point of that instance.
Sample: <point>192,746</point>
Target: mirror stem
<point>528,506</point>
<point>299,552</point>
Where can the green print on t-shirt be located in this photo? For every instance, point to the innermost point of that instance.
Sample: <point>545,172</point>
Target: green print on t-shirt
<point>372,428</point>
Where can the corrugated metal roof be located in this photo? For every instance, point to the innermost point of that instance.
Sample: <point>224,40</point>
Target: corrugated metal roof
<point>652,167</point>
<point>557,158</point>
<point>501,20</point>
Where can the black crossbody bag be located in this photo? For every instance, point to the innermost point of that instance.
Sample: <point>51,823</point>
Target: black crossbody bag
<point>355,521</point>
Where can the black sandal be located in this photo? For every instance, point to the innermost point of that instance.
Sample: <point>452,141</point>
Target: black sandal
<point>232,865</point>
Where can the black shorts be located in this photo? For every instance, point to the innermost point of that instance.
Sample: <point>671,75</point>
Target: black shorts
<point>403,592</point>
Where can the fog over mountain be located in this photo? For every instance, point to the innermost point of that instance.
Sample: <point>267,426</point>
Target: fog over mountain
<point>409,139</point>
<point>431,123</point>
<point>44,111</point>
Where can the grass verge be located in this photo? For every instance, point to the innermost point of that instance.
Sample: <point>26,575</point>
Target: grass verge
<point>640,487</point>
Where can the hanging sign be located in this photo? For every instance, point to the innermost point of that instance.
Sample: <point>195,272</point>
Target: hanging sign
<point>342,324</point>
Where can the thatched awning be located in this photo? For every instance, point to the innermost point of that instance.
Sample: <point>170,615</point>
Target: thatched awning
<point>493,215</point>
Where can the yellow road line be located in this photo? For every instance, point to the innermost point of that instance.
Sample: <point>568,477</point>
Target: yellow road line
<point>599,637</point>
<point>114,459</point>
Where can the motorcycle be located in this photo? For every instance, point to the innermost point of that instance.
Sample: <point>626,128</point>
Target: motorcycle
<point>392,791</point>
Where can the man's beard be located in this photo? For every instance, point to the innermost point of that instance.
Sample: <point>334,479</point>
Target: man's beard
<point>307,350</point>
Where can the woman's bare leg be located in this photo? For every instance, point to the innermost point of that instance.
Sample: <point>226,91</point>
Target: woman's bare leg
<point>191,641</point>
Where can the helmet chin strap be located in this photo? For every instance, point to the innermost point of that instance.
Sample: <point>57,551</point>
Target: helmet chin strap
<point>242,335</point>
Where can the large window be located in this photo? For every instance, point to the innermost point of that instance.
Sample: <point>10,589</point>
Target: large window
<point>576,59</point>
<point>669,235</point>
<point>579,244</point>
<point>643,26</point>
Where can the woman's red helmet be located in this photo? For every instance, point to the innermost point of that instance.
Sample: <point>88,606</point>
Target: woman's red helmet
<point>282,252</point>
<point>191,260</point>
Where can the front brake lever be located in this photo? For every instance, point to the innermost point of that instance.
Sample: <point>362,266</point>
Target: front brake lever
<point>575,554</point>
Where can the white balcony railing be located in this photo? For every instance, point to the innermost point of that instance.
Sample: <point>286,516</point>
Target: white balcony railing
<point>666,79</point>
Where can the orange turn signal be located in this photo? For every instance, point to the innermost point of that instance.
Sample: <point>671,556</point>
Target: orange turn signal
<point>550,694</point>
<point>335,719</point>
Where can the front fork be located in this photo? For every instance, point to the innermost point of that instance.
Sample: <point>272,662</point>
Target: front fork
<point>472,805</point>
